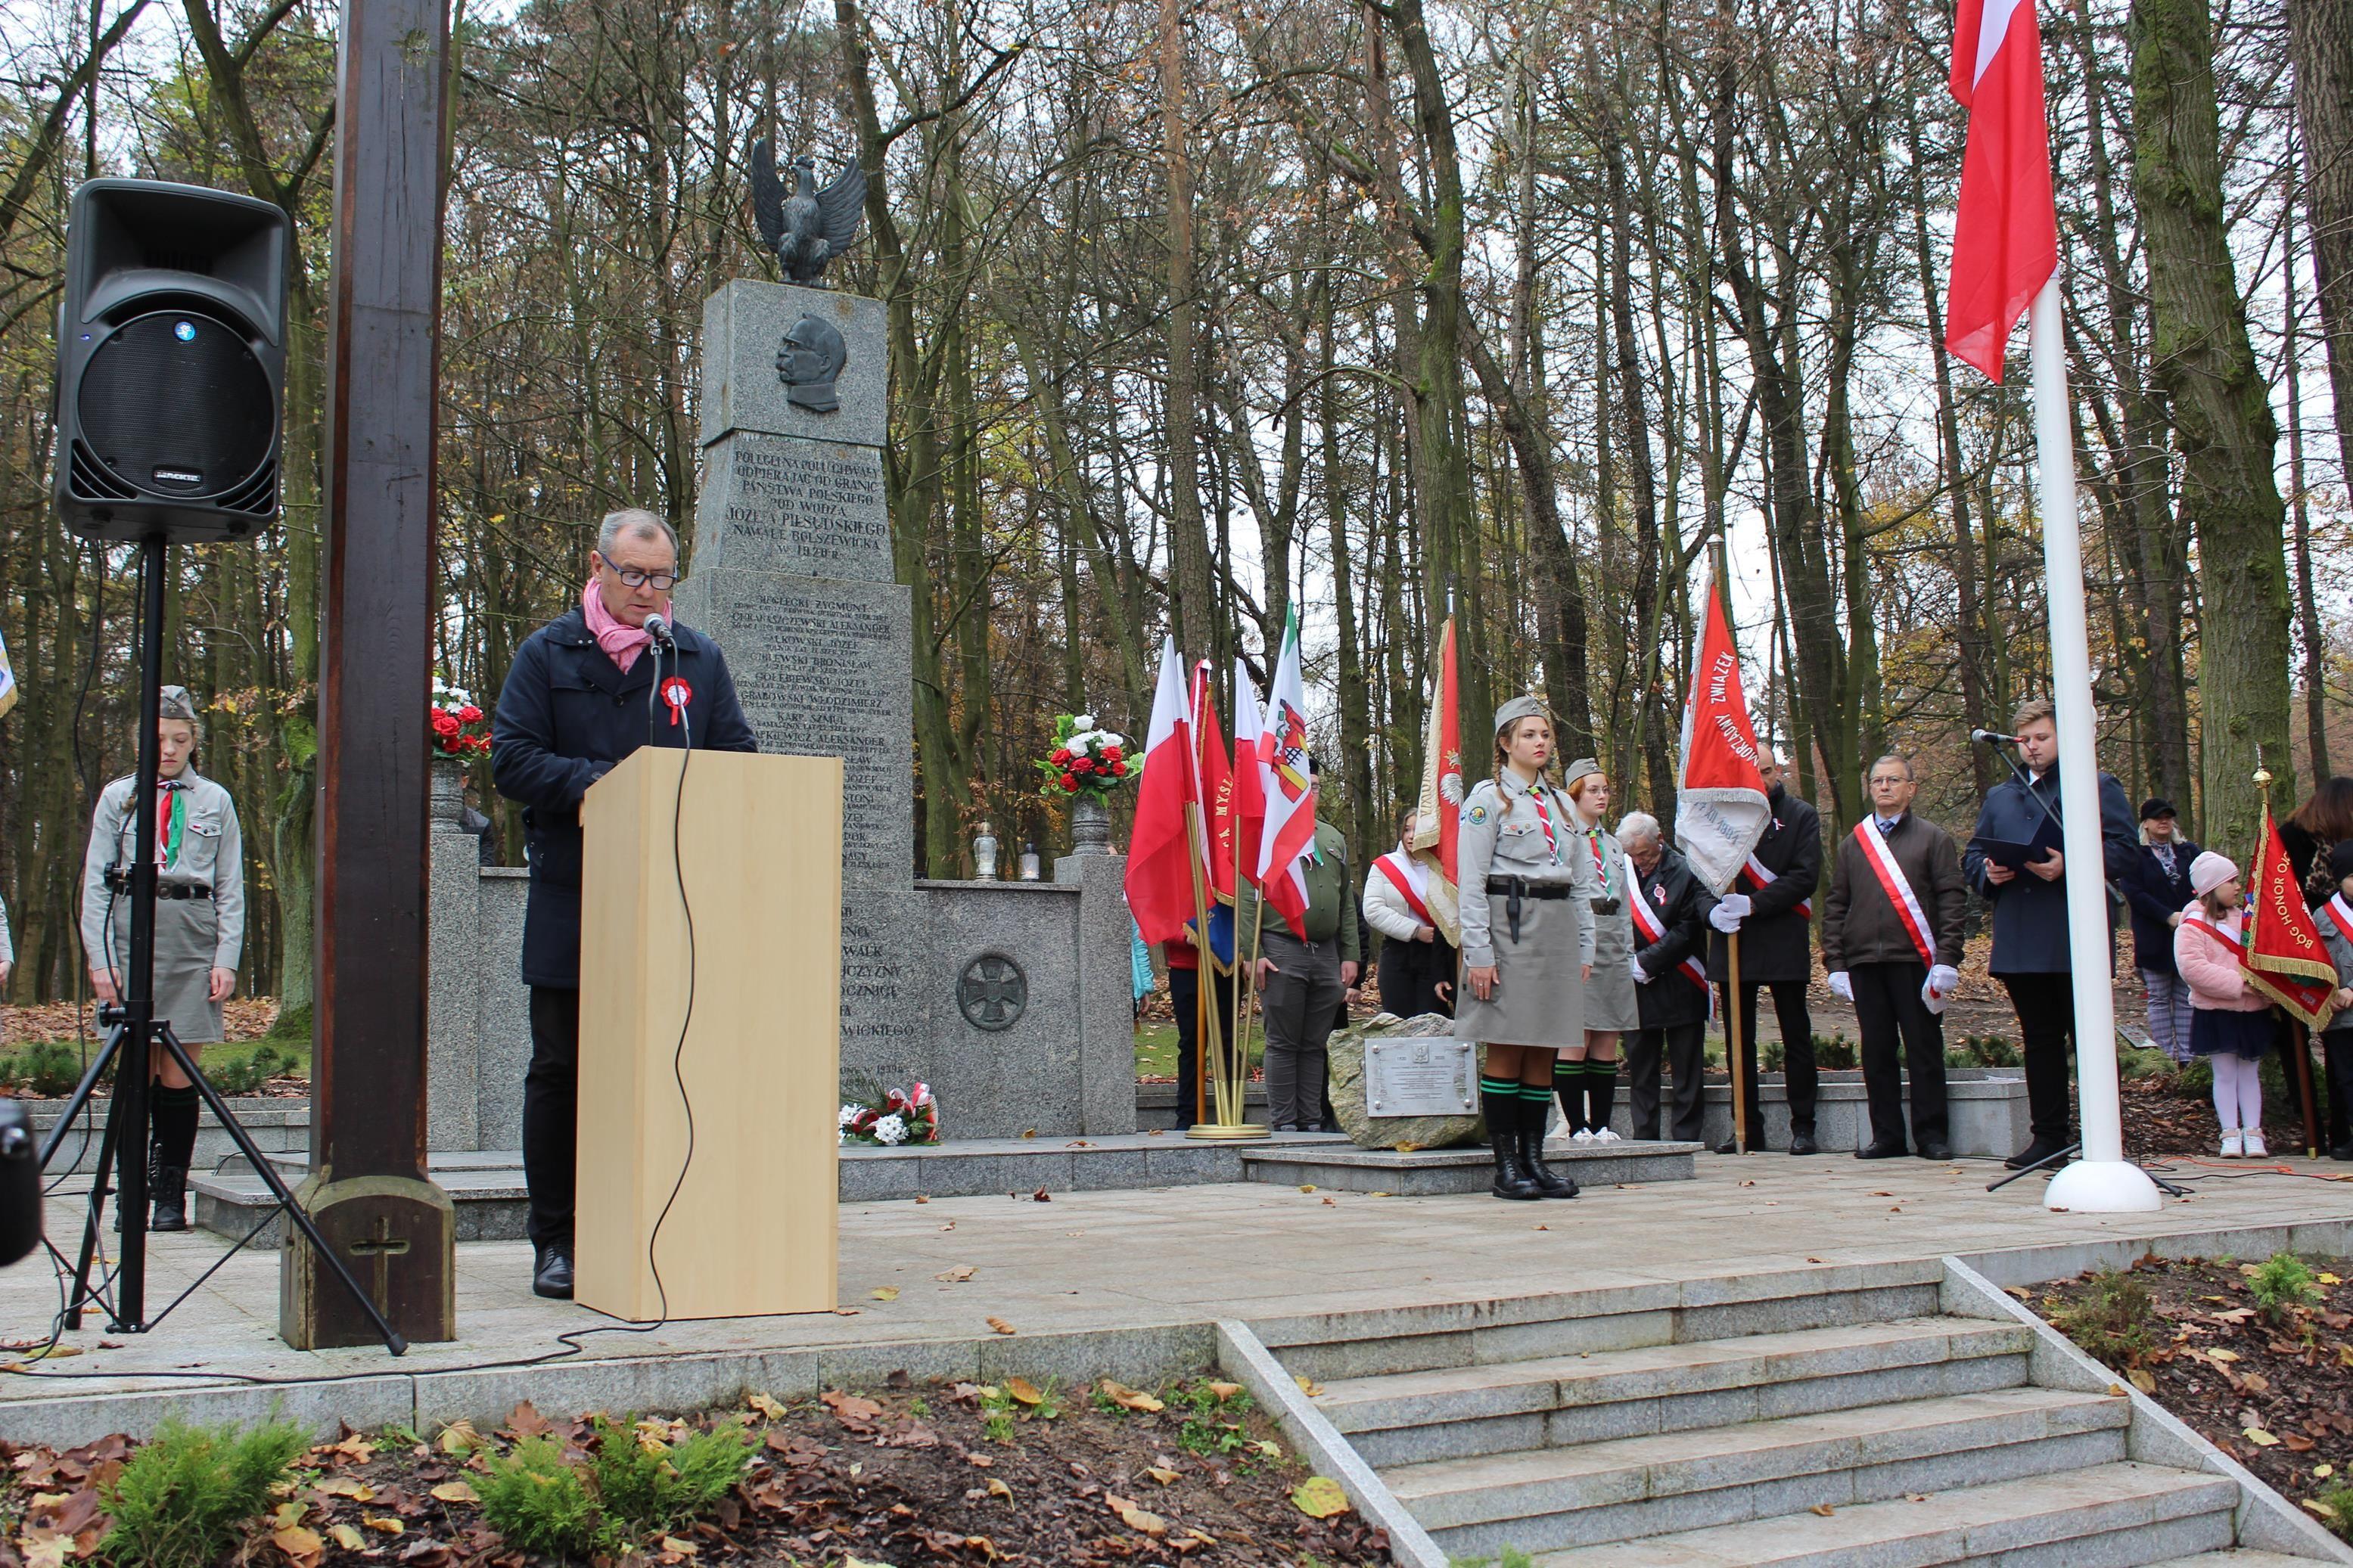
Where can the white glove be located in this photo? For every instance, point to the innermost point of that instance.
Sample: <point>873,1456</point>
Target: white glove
<point>1635,964</point>
<point>1937,991</point>
<point>1841,986</point>
<point>1738,903</point>
<point>1726,919</point>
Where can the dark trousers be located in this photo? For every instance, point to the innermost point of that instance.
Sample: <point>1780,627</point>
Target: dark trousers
<point>1803,1082</point>
<point>2045,1005</point>
<point>1410,973</point>
<point>1183,997</point>
<point>1887,1005</point>
<point>2337,1058</point>
<point>551,1113</point>
<point>1685,1048</point>
<point>1302,999</point>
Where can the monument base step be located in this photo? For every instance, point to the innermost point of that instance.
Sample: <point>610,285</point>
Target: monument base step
<point>1426,1173</point>
<point>493,1204</point>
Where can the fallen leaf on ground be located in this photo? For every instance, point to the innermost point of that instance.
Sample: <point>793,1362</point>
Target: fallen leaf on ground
<point>1319,1497</point>
<point>456,1491</point>
<point>459,1438</point>
<point>2259,1438</point>
<point>1166,1477</point>
<point>347,1486</point>
<point>349,1539</point>
<point>302,1547</point>
<point>1823,1509</point>
<point>384,1522</point>
<point>1225,1390</point>
<point>682,1548</point>
<point>956,1276</point>
<point>2224,1355</point>
<point>1022,1389</point>
<point>526,1421</point>
<point>999,1488</point>
<point>766,1404</point>
<point>1041,1195</point>
<point>1001,1326</point>
<point>849,1407</point>
<point>2143,1379</point>
<point>1128,1398</point>
<point>884,1292</point>
<point>1135,1518</point>
<point>1307,1385</point>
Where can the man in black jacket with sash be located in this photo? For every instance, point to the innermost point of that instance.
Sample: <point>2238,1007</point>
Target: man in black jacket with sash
<point>1670,909</point>
<point>579,698</point>
<point>1777,950</point>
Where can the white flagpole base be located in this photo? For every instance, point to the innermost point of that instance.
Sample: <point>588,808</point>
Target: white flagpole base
<point>2102,1186</point>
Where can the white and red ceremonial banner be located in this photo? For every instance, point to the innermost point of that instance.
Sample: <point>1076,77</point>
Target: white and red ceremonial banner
<point>1290,830</point>
<point>2006,233</point>
<point>1721,810</point>
<point>1654,929</point>
<point>2285,958</point>
<point>1249,779</point>
<point>1160,854</point>
<point>1213,788</point>
<point>1898,889</point>
<point>1440,821</point>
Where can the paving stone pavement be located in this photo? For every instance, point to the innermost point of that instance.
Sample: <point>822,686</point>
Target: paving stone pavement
<point>1105,1260</point>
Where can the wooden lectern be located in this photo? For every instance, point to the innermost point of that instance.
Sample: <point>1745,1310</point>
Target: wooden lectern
<point>740,1021</point>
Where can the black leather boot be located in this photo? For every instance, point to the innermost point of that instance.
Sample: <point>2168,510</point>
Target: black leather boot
<point>168,1186</point>
<point>1503,1136</point>
<point>1547,1181</point>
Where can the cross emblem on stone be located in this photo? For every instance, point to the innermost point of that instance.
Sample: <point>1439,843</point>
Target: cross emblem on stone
<point>993,992</point>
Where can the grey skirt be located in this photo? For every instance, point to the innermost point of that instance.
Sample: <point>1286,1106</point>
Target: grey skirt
<point>1609,1002</point>
<point>1539,997</point>
<point>186,934</point>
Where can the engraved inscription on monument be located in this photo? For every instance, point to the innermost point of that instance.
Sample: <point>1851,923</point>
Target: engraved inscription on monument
<point>1419,1076</point>
<point>779,503</point>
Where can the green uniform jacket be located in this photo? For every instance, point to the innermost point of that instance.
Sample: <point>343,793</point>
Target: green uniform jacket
<point>1331,901</point>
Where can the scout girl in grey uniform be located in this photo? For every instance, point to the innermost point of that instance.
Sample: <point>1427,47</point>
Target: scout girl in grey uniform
<point>199,928</point>
<point>1587,1076</point>
<point>1527,944</point>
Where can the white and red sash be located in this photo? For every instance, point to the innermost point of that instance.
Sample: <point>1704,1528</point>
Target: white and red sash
<point>1759,874</point>
<point>2341,915</point>
<point>1892,881</point>
<point>1653,929</point>
<point>2237,945</point>
<point>1408,880</point>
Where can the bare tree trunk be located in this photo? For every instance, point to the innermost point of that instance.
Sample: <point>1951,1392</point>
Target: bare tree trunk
<point>2320,41</point>
<point>1192,599</point>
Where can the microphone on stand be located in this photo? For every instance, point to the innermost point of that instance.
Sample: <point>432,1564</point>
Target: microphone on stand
<point>1979,735</point>
<point>658,627</point>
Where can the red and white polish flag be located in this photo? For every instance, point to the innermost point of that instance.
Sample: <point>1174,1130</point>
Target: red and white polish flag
<point>1161,856</point>
<point>2006,234</point>
<point>1721,807</point>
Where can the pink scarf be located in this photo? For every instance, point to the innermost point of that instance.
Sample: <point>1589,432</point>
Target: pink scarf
<point>620,640</point>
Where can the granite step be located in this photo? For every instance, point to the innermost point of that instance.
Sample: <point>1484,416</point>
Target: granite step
<point>1362,1344</point>
<point>1434,1172</point>
<point>2235,1557</point>
<point>2120,1515</point>
<point>1462,1412</point>
<point>1548,1497</point>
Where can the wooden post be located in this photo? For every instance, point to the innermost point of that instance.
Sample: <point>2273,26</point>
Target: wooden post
<point>1731,1011</point>
<point>368,1190</point>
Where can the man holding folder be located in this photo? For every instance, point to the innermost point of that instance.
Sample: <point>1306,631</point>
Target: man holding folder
<point>2015,863</point>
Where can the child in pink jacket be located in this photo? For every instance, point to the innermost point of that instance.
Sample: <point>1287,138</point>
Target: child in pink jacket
<point>2230,1020</point>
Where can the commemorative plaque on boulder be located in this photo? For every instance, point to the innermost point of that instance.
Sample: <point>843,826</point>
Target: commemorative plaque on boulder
<point>1420,1076</point>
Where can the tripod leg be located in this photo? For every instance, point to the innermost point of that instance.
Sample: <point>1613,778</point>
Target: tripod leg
<point>2069,1153</point>
<point>393,1341</point>
<point>93,1219</point>
<point>80,1097</point>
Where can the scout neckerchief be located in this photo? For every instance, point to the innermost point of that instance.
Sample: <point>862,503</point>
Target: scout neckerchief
<point>171,820</point>
<point>1893,882</point>
<point>1654,931</point>
<point>1544,820</point>
<point>2238,947</point>
<point>1408,878</point>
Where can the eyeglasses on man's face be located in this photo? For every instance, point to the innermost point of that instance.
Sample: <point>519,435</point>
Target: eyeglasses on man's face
<point>660,582</point>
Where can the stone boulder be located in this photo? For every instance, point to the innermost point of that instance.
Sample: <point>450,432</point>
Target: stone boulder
<point>1347,1087</point>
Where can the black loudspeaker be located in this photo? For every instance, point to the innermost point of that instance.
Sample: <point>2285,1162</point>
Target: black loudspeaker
<point>171,363</point>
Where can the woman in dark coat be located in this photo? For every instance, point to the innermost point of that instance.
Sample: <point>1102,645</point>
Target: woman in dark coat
<point>2158,890</point>
<point>2326,818</point>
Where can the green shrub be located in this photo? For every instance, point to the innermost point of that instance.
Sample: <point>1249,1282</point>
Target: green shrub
<point>1984,1051</point>
<point>243,1075</point>
<point>187,1496</point>
<point>291,1027</point>
<point>1211,1424</point>
<point>50,1068</point>
<point>649,1486</point>
<point>2111,1319</point>
<point>2195,1080</point>
<point>2281,1283</point>
<point>1836,1054</point>
<point>1776,1057</point>
<point>2337,1510</point>
<point>536,1502</point>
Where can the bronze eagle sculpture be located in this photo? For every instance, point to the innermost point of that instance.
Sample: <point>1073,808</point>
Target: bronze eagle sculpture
<point>811,226</point>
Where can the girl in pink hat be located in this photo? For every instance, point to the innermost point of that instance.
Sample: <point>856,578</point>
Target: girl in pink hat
<point>2230,1021</point>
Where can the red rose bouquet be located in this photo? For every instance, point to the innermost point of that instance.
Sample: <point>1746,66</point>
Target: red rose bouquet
<point>1085,761</point>
<point>460,728</point>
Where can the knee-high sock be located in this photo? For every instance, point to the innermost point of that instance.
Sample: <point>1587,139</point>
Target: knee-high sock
<point>1601,1092</point>
<point>1499,1102</point>
<point>2226,1089</point>
<point>1570,1087</point>
<point>2251,1096</point>
<point>175,1122</point>
<point>1536,1104</point>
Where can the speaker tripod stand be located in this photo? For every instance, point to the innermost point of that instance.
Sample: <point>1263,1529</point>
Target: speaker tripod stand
<point>134,1032</point>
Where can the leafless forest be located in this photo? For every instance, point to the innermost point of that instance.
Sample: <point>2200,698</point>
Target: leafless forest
<point>1197,310</point>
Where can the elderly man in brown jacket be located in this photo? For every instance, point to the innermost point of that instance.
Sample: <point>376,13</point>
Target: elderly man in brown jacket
<point>1892,942</point>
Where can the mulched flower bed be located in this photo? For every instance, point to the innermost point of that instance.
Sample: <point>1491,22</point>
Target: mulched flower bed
<point>2273,1389</point>
<point>944,1474</point>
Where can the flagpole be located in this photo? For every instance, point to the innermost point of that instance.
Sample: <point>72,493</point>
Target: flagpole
<point>2102,1181</point>
<point>1732,1032</point>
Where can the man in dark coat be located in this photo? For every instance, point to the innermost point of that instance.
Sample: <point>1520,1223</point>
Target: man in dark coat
<point>579,698</point>
<point>1669,929</point>
<point>1777,950</point>
<point>2030,917</point>
<point>1891,942</point>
